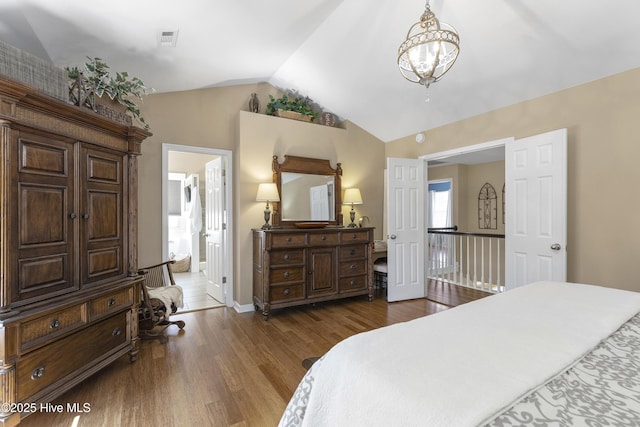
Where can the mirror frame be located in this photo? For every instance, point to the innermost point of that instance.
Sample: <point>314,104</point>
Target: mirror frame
<point>311,166</point>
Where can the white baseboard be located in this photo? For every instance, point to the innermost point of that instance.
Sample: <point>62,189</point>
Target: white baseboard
<point>243,308</point>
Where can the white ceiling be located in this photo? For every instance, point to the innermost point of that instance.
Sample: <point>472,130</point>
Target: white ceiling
<point>341,53</point>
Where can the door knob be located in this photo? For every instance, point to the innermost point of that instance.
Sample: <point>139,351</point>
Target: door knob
<point>556,247</point>
<point>393,237</point>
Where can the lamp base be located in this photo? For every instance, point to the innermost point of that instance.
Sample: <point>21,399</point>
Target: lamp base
<point>267,217</point>
<point>352,217</point>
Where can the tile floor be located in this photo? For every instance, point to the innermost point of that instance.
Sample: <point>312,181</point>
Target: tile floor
<point>194,291</point>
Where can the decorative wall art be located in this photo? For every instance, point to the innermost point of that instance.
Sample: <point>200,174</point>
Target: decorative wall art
<point>487,208</point>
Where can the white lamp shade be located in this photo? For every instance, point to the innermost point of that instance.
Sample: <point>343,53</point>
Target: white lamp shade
<point>267,192</point>
<point>352,196</point>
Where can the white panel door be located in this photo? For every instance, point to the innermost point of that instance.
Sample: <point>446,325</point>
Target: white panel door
<point>406,180</point>
<point>319,199</point>
<point>215,228</point>
<point>536,209</point>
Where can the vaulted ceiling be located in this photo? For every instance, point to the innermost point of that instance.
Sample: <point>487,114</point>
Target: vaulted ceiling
<point>341,53</point>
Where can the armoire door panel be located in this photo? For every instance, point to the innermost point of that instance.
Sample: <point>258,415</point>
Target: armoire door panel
<point>104,213</point>
<point>103,216</point>
<point>42,214</point>
<point>101,168</point>
<point>43,272</point>
<point>43,158</point>
<point>105,261</point>
<point>43,233</point>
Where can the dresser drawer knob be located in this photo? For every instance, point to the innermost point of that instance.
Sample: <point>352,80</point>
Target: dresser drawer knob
<point>111,302</point>
<point>116,332</point>
<point>287,292</point>
<point>289,239</point>
<point>55,323</point>
<point>37,373</point>
<point>287,257</point>
<point>353,251</point>
<point>352,283</point>
<point>287,274</point>
<point>324,237</point>
<point>353,267</point>
<point>73,215</point>
<point>85,216</point>
<point>355,236</point>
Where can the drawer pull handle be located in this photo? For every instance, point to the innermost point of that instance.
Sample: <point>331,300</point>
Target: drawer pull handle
<point>72,215</point>
<point>37,373</point>
<point>355,236</point>
<point>352,283</point>
<point>116,332</point>
<point>288,239</point>
<point>287,292</point>
<point>353,267</point>
<point>287,257</point>
<point>287,274</point>
<point>324,237</point>
<point>55,323</point>
<point>85,216</point>
<point>111,302</point>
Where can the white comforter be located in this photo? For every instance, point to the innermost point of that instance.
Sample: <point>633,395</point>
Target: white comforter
<point>460,367</point>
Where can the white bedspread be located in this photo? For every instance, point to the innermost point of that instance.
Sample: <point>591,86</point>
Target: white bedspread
<point>462,366</point>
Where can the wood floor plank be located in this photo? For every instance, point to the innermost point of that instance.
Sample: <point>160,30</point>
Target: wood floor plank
<point>226,368</point>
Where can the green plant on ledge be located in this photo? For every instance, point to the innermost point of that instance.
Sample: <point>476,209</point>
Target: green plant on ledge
<point>292,102</point>
<point>95,81</point>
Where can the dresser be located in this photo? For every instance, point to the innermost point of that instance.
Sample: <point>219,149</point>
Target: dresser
<point>301,266</point>
<point>69,290</point>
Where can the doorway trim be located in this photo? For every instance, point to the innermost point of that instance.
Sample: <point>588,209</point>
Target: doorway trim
<point>466,150</point>
<point>228,156</point>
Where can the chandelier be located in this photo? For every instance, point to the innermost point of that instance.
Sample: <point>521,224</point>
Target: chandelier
<point>429,51</point>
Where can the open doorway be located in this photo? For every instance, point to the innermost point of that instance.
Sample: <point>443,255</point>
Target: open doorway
<point>191,217</point>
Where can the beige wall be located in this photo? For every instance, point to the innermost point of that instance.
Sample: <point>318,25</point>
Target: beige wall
<point>602,119</point>
<point>218,118</point>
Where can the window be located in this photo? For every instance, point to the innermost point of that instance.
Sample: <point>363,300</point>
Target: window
<point>440,204</point>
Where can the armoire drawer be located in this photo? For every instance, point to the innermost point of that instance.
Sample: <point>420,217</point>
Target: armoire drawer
<point>49,364</point>
<point>38,330</point>
<point>110,303</point>
<point>287,257</point>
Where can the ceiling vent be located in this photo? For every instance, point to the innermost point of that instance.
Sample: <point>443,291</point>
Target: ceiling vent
<point>168,38</point>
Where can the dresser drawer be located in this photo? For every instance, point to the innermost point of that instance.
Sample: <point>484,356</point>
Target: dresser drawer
<point>54,324</point>
<point>287,257</point>
<point>110,303</point>
<point>286,275</point>
<point>288,240</point>
<point>356,283</point>
<point>323,239</point>
<point>347,237</point>
<point>353,268</point>
<point>49,364</point>
<point>283,293</point>
<point>353,252</point>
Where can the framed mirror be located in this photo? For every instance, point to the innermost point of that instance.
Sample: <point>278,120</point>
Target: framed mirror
<point>310,191</point>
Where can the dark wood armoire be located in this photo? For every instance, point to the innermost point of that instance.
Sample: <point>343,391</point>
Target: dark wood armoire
<point>69,290</point>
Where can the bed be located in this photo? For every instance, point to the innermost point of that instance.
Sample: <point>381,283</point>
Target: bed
<point>548,353</point>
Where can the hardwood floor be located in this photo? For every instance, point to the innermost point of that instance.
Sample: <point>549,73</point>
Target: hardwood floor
<point>225,368</point>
